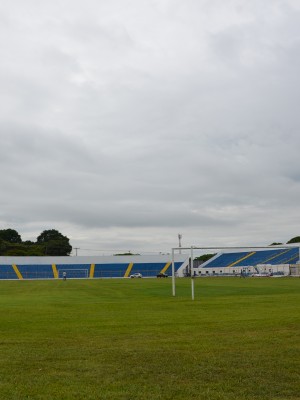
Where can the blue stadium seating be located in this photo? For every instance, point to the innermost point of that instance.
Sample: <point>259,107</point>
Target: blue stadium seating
<point>83,270</point>
<point>226,259</point>
<point>147,269</point>
<point>110,270</point>
<point>177,265</point>
<point>261,257</point>
<point>73,270</point>
<point>36,271</point>
<point>7,272</point>
<point>273,257</point>
<point>289,257</point>
<point>152,269</point>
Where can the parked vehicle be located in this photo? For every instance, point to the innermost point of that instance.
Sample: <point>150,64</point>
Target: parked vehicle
<point>161,275</point>
<point>136,275</point>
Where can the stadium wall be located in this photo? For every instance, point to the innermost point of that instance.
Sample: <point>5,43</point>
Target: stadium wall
<point>259,270</point>
<point>87,267</point>
<point>275,260</point>
<point>295,270</point>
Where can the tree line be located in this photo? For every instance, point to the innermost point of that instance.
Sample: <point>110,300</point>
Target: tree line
<point>53,243</point>
<point>49,243</point>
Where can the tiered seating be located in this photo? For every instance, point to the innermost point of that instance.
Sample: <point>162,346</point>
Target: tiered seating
<point>110,270</point>
<point>36,271</point>
<point>152,269</point>
<point>148,269</point>
<point>177,265</point>
<point>119,270</point>
<point>226,259</point>
<point>273,257</point>
<point>73,270</point>
<point>105,270</point>
<point>261,257</point>
<point>291,256</point>
<point>7,272</point>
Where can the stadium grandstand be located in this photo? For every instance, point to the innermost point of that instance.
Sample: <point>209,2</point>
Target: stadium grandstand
<point>89,267</point>
<point>276,261</point>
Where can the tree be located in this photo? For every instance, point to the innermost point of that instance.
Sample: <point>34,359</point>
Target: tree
<point>28,243</point>
<point>50,234</point>
<point>127,254</point>
<point>16,252</point>
<point>3,247</point>
<point>54,243</point>
<point>50,242</point>
<point>36,251</point>
<point>275,244</point>
<point>205,257</point>
<point>10,235</point>
<point>58,248</point>
<point>296,239</point>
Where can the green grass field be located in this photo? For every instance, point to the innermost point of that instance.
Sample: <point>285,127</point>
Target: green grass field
<point>130,339</point>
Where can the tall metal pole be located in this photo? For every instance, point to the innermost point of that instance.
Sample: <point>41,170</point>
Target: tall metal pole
<point>192,274</point>
<point>173,273</point>
<point>179,239</point>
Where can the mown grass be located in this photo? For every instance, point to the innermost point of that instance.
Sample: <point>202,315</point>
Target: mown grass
<point>131,340</point>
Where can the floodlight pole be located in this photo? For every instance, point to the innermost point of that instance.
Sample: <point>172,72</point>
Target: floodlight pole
<point>179,238</point>
<point>192,274</point>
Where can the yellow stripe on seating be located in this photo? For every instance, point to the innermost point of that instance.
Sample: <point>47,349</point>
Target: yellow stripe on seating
<point>291,259</point>
<point>92,270</point>
<point>276,255</point>
<point>128,270</point>
<point>165,268</point>
<point>241,259</point>
<point>55,272</point>
<point>18,273</point>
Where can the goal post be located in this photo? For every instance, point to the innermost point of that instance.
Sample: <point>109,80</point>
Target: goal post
<point>191,252</point>
<point>192,269</point>
<point>73,272</point>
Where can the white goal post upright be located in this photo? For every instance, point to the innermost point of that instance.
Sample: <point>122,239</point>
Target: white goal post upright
<point>191,248</point>
<point>73,271</point>
<point>192,275</point>
<point>173,274</point>
<point>192,269</point>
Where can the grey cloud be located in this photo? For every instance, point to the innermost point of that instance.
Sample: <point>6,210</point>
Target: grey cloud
<point>138,122</point>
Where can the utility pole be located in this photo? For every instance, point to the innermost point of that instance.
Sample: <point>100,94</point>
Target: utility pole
<point>76,248</point>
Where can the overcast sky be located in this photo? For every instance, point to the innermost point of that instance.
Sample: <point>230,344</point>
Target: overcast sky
<point>126,122</point>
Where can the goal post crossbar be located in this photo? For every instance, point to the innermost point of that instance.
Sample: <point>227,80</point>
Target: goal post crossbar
<point>72,271</point>
<point>192,248</point>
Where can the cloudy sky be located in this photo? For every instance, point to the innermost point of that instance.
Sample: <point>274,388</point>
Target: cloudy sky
<point>126,122</point>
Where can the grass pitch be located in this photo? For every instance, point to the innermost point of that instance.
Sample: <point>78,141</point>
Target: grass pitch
<point>131,340</point>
